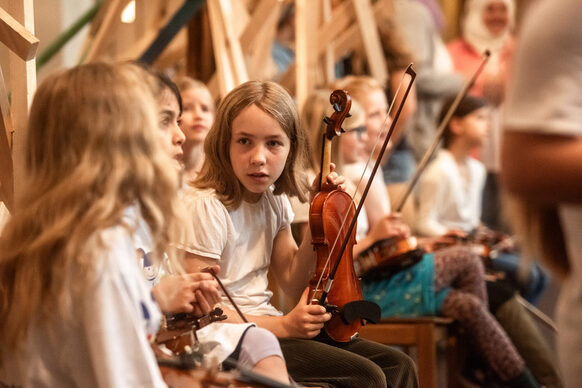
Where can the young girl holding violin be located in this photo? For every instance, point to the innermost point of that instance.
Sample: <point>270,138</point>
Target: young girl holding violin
<point>76,310</point>
<point>449,192</point>
<point>449,282</point>
<point>254,160</point>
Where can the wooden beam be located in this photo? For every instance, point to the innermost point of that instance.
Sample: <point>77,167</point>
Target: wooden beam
<point>351,38</point>
<point>344,31</point>
<point>233,46</point>
<point>199,59</point>
<point>263,12</point>
<point>22,87</point>
<point>328,60</point>
<point>224,71</point>
<point>6,166</point>
<point>93,29</point>
<point>148,22</point>
<point>288,80</point>
<point>306,36</point>
<point>241,21</point>
<point>371,39</point>
<point>179,18</point>
<point>340,19</point>
<point>106,32</point>
<point>16,37</point>
<point>258,37</point>
<point>175,53</point>
<point>6,121</point>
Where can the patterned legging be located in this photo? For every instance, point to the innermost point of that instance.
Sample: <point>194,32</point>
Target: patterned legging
<point>467,303</point>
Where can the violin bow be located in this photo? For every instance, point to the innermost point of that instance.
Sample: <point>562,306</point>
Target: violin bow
<point>410,71</point>
<point>440,130</point>
<point>213,273</point>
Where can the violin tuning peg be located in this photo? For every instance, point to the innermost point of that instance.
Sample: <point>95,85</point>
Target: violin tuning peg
<point>327,120</point>
<point>337,107</point>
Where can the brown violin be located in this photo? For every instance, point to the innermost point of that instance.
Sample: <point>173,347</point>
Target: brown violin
<point>485,243</point>
<point>179,331</point>
<point>394,254</point>
<point>181,366</point>
<point>388,255</point>
<point>330,211</point>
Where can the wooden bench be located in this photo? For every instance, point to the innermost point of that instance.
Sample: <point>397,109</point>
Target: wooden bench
<point>425,334</point>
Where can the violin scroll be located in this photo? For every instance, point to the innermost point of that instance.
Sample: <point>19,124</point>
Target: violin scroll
<point>342,103</point>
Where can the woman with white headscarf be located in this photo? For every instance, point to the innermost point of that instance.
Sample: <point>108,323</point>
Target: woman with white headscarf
<point>487,25</point>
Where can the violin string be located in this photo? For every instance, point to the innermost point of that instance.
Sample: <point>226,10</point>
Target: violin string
<point>352,203</point>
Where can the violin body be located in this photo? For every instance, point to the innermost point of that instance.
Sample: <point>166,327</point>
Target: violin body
<point>179,331</point>
<point>485,244</point>
<point>326,216</point>
<point>389,255</point>
<point>332,219</point>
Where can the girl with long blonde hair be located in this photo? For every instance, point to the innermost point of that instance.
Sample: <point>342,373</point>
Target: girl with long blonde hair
<point>74,306</point>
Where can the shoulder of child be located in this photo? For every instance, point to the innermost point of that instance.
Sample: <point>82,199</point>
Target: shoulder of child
<point>191,195</point>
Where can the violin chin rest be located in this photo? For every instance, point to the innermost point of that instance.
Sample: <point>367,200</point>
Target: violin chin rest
<point>360,309</point>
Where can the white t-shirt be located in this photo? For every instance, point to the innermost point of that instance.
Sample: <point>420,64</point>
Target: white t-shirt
<point>444,201</point>
<point>545,96</point>
<point>105,341</point>
<point>152,271</point>
<point>241,241</point>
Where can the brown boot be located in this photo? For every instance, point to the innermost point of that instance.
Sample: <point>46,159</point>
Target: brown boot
<point>523,380</point>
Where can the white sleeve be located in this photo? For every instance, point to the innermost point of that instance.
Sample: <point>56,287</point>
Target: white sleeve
<point>115,315</point>
<point>429,195</point>
<point>210,227</point>
<point>287,214</point>
<point>545,88</point>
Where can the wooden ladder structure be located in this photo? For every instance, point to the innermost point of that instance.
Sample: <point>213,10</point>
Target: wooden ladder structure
<point>242,33</point>
<point>17,33</point>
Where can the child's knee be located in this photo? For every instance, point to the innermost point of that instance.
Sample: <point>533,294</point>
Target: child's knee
<point>375,376</point>
<point>257,344</point>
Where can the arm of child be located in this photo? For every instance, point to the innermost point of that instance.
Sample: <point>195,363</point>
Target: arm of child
<point>293,266</point>
<point>390,225</point>
<point>304,321</point>
<point>549,171</point>
<point>377,201</point>
<point>428,198</point>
